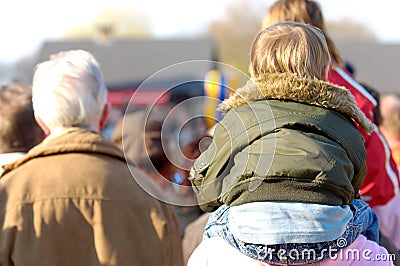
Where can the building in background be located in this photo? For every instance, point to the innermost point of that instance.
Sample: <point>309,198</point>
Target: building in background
<point>158,70</point>
<point>374,63</point>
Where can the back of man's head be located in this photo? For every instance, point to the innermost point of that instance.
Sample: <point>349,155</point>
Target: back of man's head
<point>69,91</point>
<point>18,129</point>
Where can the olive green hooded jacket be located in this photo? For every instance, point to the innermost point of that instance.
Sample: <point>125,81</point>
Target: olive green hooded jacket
<point>284,138</point>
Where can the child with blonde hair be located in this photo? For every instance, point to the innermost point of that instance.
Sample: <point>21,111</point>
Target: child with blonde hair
<point>284,170</point>
<point>381,183</point>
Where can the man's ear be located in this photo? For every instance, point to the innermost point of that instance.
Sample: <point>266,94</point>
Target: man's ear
<point>104,116</point>
<point>45,128</point>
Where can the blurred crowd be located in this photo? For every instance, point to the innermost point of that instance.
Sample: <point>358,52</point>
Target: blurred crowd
<point>87,183</point>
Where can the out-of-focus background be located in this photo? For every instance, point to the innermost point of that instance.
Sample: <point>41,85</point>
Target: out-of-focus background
<point>134,39</point>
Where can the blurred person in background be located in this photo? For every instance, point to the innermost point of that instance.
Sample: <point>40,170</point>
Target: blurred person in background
<point>384,241</point>
<point>381,184</point>
<point>72,200</point>
<point>19,130</point>
<point>139,134</point>
<point>390,126</point>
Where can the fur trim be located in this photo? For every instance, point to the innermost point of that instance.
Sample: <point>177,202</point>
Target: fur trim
<point>292,87</point>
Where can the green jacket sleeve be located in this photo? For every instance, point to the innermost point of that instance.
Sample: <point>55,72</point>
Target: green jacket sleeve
<point>207,172</point>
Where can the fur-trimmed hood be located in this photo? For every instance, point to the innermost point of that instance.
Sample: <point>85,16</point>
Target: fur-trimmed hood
<point>294,88</point>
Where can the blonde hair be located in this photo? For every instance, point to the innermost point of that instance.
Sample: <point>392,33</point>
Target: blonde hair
<point>289,47</point>
<point>305,11</point>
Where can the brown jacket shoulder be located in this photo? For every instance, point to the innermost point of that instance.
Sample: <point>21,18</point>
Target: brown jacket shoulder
<point>72,200</point>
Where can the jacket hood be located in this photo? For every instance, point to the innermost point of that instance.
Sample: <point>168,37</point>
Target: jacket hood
<point>304,90</point>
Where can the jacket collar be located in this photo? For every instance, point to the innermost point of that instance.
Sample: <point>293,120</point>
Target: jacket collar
<point>294,88</point>
<point>72,140</point>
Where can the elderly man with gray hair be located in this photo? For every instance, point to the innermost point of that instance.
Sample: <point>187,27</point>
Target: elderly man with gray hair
<point>72,200</point>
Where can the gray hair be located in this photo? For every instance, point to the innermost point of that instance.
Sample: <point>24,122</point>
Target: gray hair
<point>69,91</point>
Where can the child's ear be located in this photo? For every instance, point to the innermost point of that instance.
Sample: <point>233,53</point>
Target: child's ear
<point>326,73</point>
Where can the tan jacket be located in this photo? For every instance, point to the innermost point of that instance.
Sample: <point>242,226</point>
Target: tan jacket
<point>73,201</point>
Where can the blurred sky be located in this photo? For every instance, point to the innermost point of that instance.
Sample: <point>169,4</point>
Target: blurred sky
<point>25,24</point>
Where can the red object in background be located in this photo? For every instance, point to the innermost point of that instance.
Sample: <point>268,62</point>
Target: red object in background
<point>141,98</point>
<point>381,183</point>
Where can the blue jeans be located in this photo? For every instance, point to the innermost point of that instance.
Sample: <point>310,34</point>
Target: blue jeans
<point>364,222</point>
